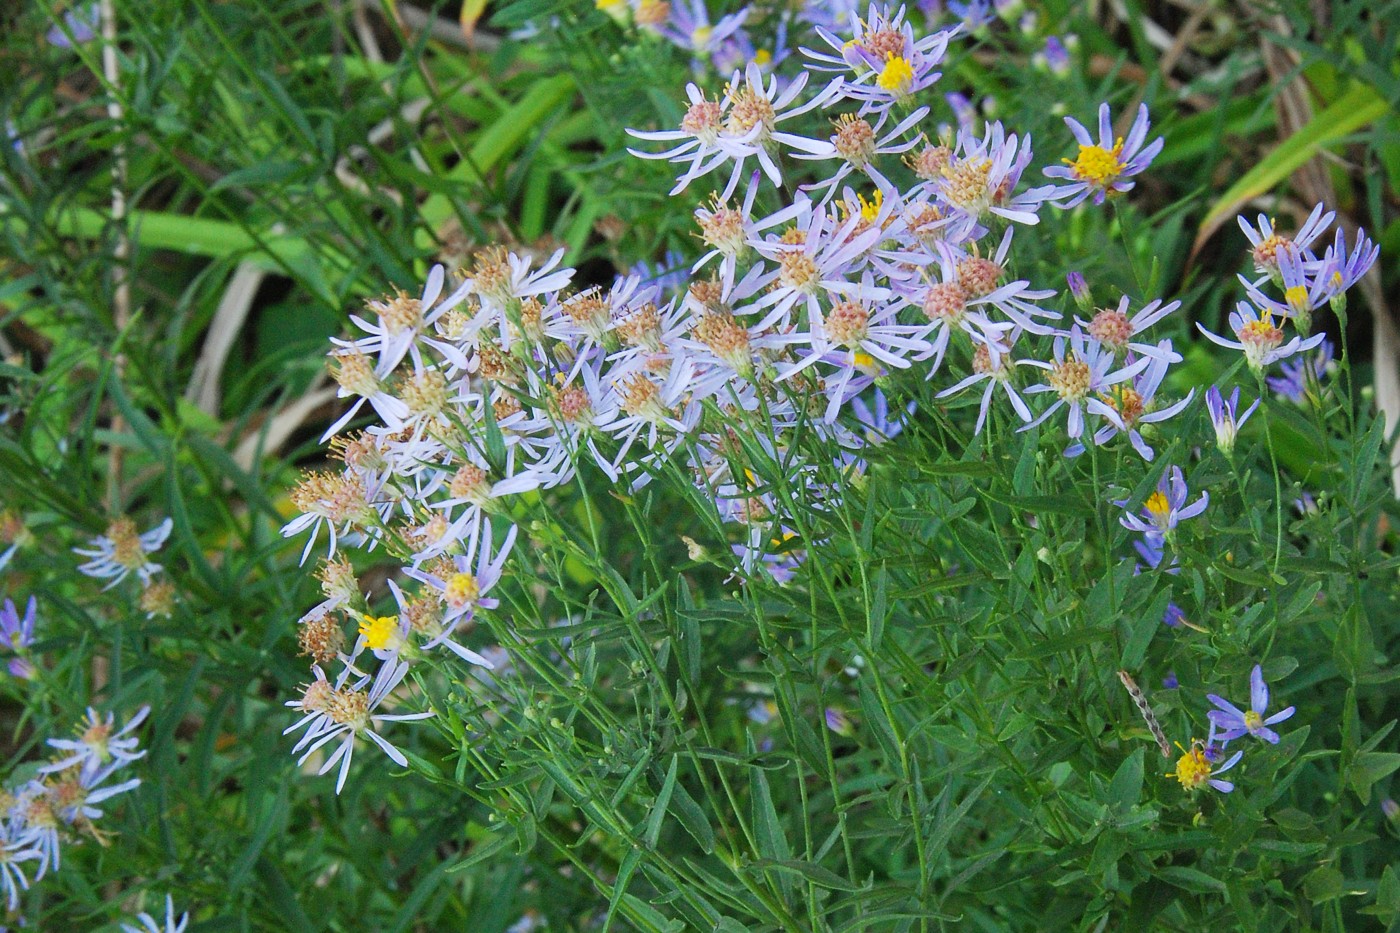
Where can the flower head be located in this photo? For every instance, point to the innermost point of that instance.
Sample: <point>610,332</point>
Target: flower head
<point>1224,416</point>
<point>121,551</point>
<point>1297,373</point>
<point>1234,722</point>
<point>1259,337</point>
<point>17,633</point>
<point>1104,164</point>
<point>1194,769</point>
<point>1166,507</point>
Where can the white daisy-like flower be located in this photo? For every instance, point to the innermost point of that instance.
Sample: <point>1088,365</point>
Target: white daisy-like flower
<point>343,711</point>
<point>97,745</point>
<point>121,551</point>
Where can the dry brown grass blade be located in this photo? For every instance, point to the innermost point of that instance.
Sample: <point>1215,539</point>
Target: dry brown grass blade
<point>204,387</point>
<point>267,439</point>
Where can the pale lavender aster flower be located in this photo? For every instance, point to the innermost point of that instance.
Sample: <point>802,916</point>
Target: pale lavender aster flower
<point>344,711</point>
<point>1081,373</point>
<point>1166,507</point>
<point>858,143</point>
<point>982,175</point>
<point>1341,271</point>
<point>1079,290</point>
<point>837,721</point>
<point>1234,722</point>
<point>1305,290</point>
<point>991,363</point>
<point>690,27</point>
<point>1259,338</point>
<point>79,26</point>
<point>704,144</point>
<point>1113,328</point>
<point>464,591</point>
<point>16,848</point>
<point>1173,617</point>
<point>97,744</point>
<point>1103,166</point>
<point>1266,241</point>
<point>121,551</point>
<point>1055,56</point>
<point>16,633</point>
<point>1224,416</point>
<point>1134,405</point>
<point>974,13</point>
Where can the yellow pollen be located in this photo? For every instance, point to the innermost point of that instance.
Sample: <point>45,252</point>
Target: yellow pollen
<point>897,75</point>
<point>1297,297</point>
<point>462,589</point>
<point>1097,164</point>
<point>700,38</point>
<point>762,57</point>
<point>866,363</point>
<point>869,210</point>
<point>1192,769</point>
<point>378,632</point>
<point>1253,721</point>
<point>1158,505</point>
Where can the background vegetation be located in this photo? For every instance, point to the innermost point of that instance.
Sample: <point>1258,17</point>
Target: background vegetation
<point>660,759</point>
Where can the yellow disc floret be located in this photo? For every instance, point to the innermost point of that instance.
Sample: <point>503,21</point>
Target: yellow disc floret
<point>897,76</point>
<point>1192,769</point>
<point>1098,165</point>
<point>379,632</point>
<point>1158,507</point>
<point>462,590</point>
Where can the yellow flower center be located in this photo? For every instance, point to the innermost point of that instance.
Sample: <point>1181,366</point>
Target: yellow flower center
<point>379,632</point>
<point>462,590</point>
<point>1192,769</point>
<point>1158,507</point>
<point>700,38</point>
<point>762,57</point>
<point>1297,298</point>
<point>897,76</point>
<point>1253,721</point>
<point>1097,164</point>
<point>866,364</point>
<point>869,210</point>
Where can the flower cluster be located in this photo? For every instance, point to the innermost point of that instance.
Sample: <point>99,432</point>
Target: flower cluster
<point>60,805</point>
<point>1307,282</point>
<point>895,255</point>
<point>1201,764</point>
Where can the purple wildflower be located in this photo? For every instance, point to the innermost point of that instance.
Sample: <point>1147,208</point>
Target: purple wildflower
<point>1223,415</point>
<point>1260,339</point>
<point>1234,723</point>
<point>1166,507</point>
<point>1102,167</point>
